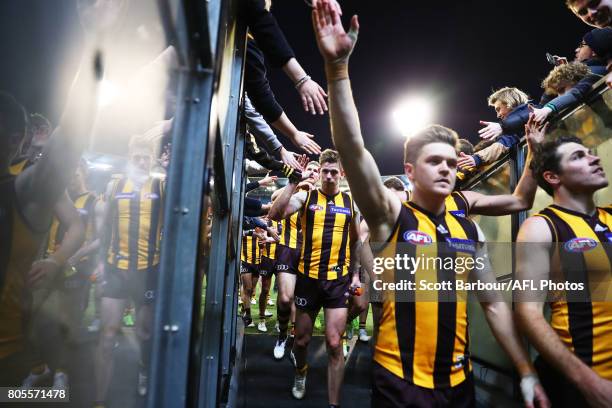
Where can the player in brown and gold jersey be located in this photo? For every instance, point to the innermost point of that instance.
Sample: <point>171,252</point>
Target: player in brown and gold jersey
<point>568,241</point>
<point>421,353</point>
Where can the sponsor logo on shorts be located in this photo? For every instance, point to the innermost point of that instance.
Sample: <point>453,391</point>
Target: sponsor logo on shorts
<point>462,245</point>
<point>300,301</point>
<point>315,207</point>
<point>580,245</point>
<point>339,210</point>
<point>282,267</point>
<point>243,269</point>
<point>417,237</point>
<point>458,213</point>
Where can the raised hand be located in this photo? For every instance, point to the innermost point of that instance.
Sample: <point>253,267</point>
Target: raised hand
<point>490,130</point>
<point>335,44</point>
<point>465,161</point>
<point>304,141</point>
<point>534,133</point>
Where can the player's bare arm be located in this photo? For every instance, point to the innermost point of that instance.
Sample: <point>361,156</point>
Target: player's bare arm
<point>533,262</point>
<point>380,207</point>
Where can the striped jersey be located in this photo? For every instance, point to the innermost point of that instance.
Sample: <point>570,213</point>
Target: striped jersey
<point>584,326</point>
<point>290,231</point>
<point>136,218</point>
<point>325,220</point>
<point>250,251</point>
<point>85,205</point>
<point>424,338</point>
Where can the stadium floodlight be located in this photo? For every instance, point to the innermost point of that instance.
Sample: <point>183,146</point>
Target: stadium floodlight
<point>107,93</point>
<point>412,114</point>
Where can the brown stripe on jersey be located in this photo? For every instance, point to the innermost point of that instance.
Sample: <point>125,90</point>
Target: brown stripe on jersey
<point>116,228</point>
<point>405,310</point>
<point>580,313</point>
<point>134,229</point>
<point>154,221</point>
<point>342,256</point>
<point>243,252</point>
<point>326,242</point>
<point>308,228</point>
<point>447,316</point>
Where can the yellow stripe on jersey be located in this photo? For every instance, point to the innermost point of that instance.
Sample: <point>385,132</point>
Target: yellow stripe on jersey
<point>250,252</point>
<point>423,336</point>
<point>325,248</point>
<point>290,231</point>
<point>584,325</point>
<point>269,250</point>
<point>137,218</point>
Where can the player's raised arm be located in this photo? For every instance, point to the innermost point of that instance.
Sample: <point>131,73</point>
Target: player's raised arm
<point>379,207</point>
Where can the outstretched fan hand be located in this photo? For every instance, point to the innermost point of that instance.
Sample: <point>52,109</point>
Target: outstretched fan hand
<point>335,44</point>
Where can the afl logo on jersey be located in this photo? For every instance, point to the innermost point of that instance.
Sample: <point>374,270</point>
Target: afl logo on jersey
<point>417,237</point>
<point>580,245</point>
<point>458,213</point>
<point>315,207</point>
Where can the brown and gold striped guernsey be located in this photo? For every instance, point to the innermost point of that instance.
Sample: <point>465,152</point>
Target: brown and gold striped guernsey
<point>269,250</point>
<point>290,231</point>
<point>84,204</point>
<point>136,224</point>
<point>325,221</point>
<point>584,325</point>
<point>250,252</point>
<point>424,338</point>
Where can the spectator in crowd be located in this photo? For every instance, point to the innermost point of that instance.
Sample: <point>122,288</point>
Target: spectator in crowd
<point>596,13</point>
<point>512,108</point>
<point>595,49</point>
<point>569,84</point>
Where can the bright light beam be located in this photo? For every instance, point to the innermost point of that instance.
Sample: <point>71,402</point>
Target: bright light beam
<point>108,93</point>
<point>412,115</point>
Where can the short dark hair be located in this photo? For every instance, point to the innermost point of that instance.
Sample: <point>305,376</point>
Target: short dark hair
<point>546,158</point>
<point>425,136</point>
<point>465,146</point>
<point>329,156</point>
<point>394,183</point>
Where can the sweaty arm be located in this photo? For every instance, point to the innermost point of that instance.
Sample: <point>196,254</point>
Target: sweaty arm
<point>287,203</point>
<point>533,263</point>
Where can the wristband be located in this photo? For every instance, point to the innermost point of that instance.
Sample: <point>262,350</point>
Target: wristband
<point>336,72</point>
<point>528,383</point>
<point>302,81</point>
<point>552,107</point>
